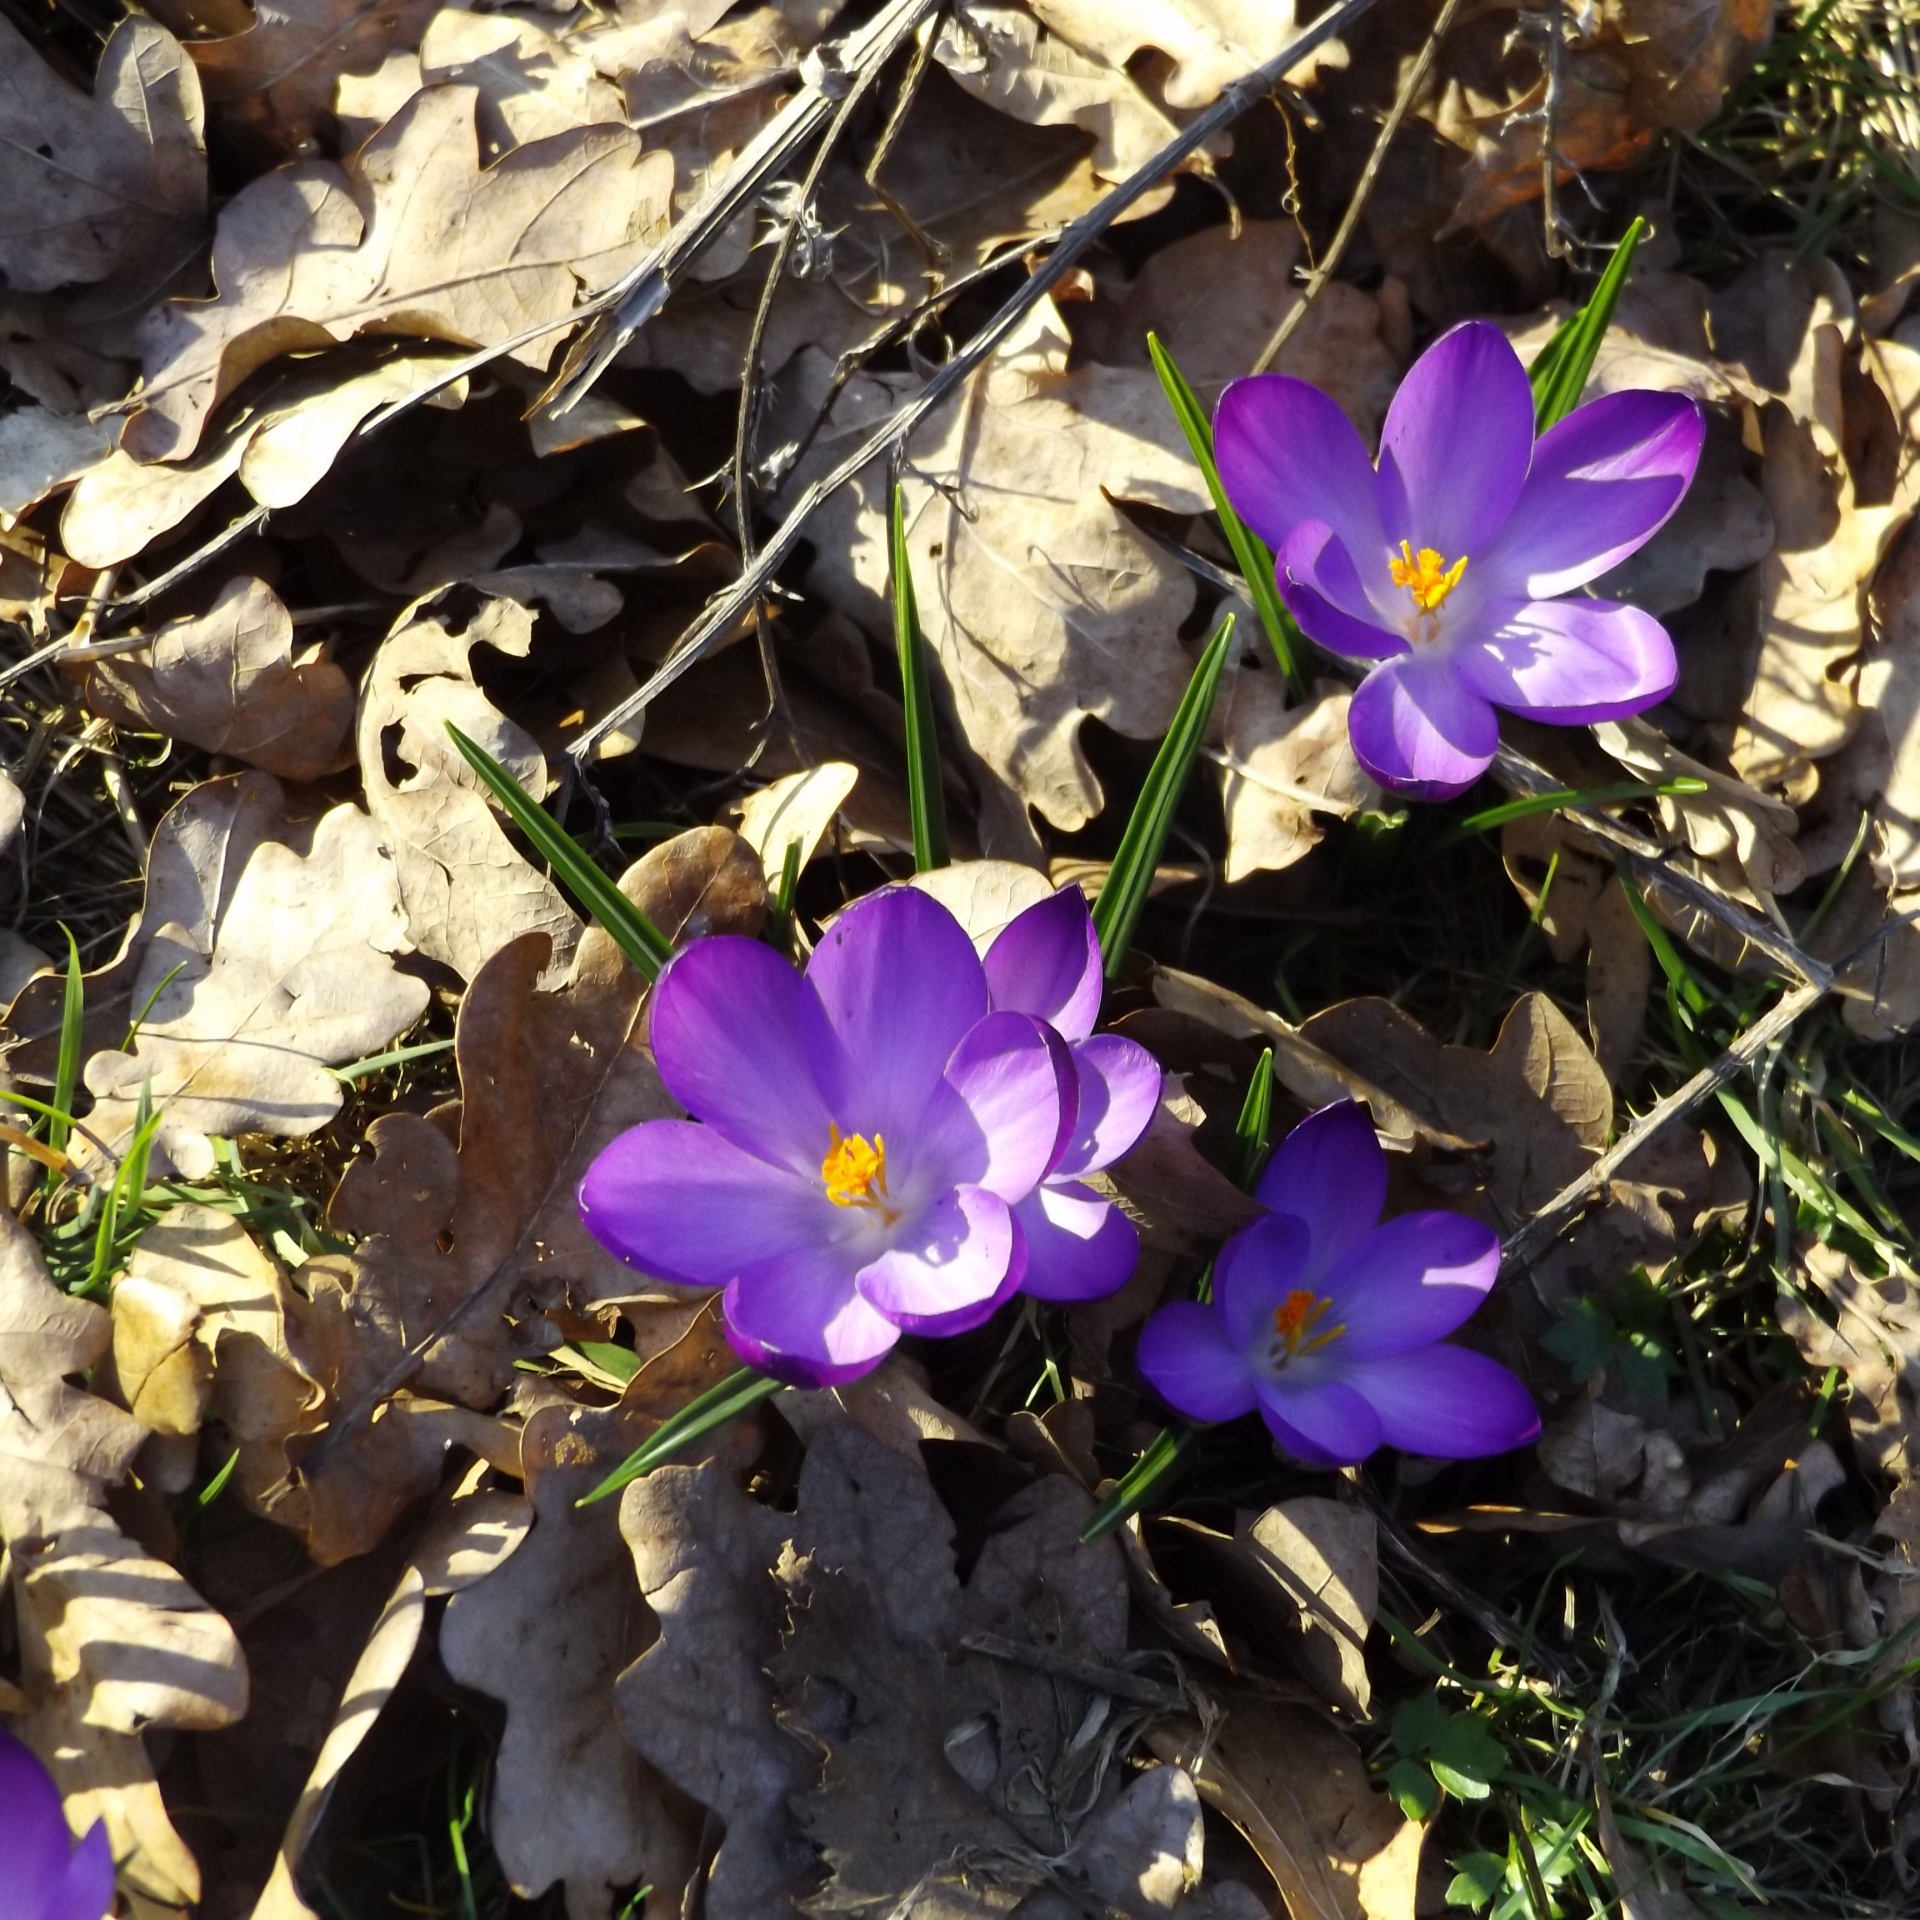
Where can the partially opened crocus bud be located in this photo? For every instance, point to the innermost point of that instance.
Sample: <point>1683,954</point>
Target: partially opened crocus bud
<point>1331,1326</point>
<point>44,1875</point>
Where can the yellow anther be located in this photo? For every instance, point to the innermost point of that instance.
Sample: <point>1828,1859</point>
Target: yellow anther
<point>1425,575</point>
<point>854,1171</point>
<point>1294,1320</point>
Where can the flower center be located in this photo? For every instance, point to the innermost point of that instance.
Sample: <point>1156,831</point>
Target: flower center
<point>855,1172</point>
<point>1294,1320</point>
<point>1425,575</point>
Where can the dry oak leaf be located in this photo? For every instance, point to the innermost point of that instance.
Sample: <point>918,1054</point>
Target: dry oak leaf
<point>467,892</point>
<point>467,1541</point>
<point>467,1217</point>
<point>1875,1342</point>
<point>109,183</point>
<point>205,1323</point>
<point>530,84</point>
<point>42,451</point>
<point>274,82</point>
<point>1336,1846</point>
<point>571,1801</point>
<point>251,996</point>
<point>698,1704</point>
<point>1043,605</point>
<point>110,1640</point>
<point>1209,43</point>
<point>409,236</point>
<point>228,680</point>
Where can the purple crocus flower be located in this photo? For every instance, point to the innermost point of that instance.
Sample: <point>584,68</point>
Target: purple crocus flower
<point>1448,565</point>
<point>1330,1326</point>
<point>865,1133</point>
<point>43,1875</point>
<point>1046,963</point>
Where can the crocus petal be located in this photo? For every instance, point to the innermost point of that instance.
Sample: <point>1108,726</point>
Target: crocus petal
<point>1446,1401</point>
<point>1416,728</point>
<point>802,1319</point>
<point>1603,483</point>
<point>1321,586</point>
<point>1410,1282</point>
<point>1080,1246</point>
<point>936,1326</point>
<point>85,1891</point>
<point>1253,1274</point>
<point>1456,444</point>
<point>1188,1360</point>
<point>729,1025</point>
<point>34,1840</point>
<point>1287,454</point>
<point>1046,962</point>
<point>685,1204</point>
<point>1119,1090</point>
<point>1324,1424</point>
<point>956,1257</point>
<point>1571,662</point>
<point>1330,1174</point>
<point>997,1120</point>
<point>901,985</point>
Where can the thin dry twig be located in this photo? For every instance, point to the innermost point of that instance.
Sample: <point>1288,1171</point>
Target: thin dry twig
<point>1073,241</point>
<point>1363,191</point>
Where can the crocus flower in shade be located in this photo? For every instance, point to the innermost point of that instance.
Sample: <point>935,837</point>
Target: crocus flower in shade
<point>863,1134</point>
<point>43,1874</point>
<point>1330,1326</point>
<point>1447,566</point>
<point>1046,962</point>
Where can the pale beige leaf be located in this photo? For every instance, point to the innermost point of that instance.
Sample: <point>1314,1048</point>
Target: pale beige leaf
<point>1211,43</point>
<point>797,809</point>
<point>983,895</point>
<point>1281,765</point>
<point>274,82</point>
<point>112,182</point>
<point>228,681</point>
<point>1326,1555</point>
<point>286,972</point>
<point>42,451</point>
<point>467,892</point>
<point>1043,606</point>
<point>473,1538</point>
<point>410,236</point>
<point>547,1635</point>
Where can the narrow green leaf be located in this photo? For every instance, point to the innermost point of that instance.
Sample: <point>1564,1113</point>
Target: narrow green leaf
<point>714,1408</point>
<point>1254,1129</point>
<point>1559,374</point>
<point>779,934</point>
<point>1256,563</point>
<point>1157,1469</point>
<point>636,936</point>
<point>1607,796</point>
<point>218,1484</point>
<point>1117,911</point>
<point>926,797</point>
<point>394,1057</point>
<point>66,1073</point>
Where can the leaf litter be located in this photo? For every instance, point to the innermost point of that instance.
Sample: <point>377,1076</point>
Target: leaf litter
<point>306,1358</point>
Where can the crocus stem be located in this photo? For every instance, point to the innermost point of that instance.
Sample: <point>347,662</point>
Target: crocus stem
<point>714,1408</point>
<point>1156,1470</point>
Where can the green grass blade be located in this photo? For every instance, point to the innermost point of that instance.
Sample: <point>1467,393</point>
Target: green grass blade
<point>636,936</point>
<point>1559,374</point>
<point>926,797</point>
<point>1117,911</point>
<point>66,1073</point>
<point>1256,563</point>
<point>1254,1129</point>
<point>1616,794</point>
<point>714,1408</point>
<point>1157,1469</point>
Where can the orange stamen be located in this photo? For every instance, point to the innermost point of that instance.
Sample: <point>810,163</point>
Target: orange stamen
<point>1295,1318</point>
<point>1425,575</point>
<point>854,1170</point>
